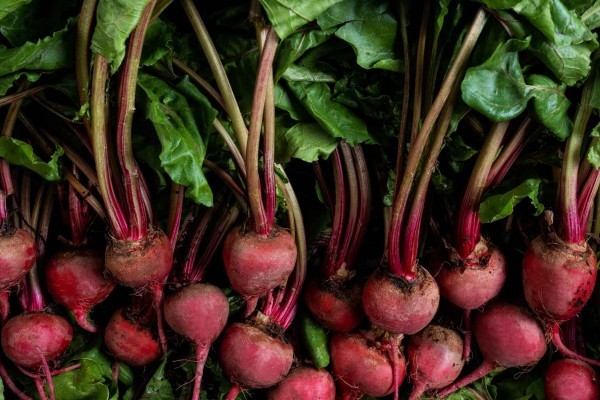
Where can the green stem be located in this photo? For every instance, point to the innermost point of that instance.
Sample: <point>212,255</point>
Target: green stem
<point>420,72</point>
<point>82,46</point>
<point>203,83</point>
<point>405,97</point>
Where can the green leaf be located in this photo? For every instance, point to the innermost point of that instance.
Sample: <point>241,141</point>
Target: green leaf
<point>299,73</point>
<point>159,388</point>
<point>593,155</point>
<point>115,20</point>
<point>306,141</point>
<point>8,6</point>
<point>370,27</point>
<point>175,122</point>
<point>7,81</point>
<point>292,48</point>
<point>550,105</point>
<point>314,337</point>
<point>289,15</point>
<point>285,101</point>
<point>17,152</point>
<point>499,206</point>
<point>591,16</point>
<point>335,118</point>
<point>158,42</point>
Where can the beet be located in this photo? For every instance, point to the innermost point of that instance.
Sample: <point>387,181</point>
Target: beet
<point>130,340</point>
<point>508,336</point>
<point>75,278</point>
<point>364,365</point>
<point>337,306</point>
<point>399,306</point>
<point>256,264</point>
<point>304,383</point>
<point>569,379</point>
<point>434,359</point>
<point>253,358</point>
<point>29,340</point>
<point>18,253</point>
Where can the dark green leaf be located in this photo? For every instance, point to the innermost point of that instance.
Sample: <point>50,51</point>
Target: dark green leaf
<point>550,105</point>
<point>115,20</point>
<point>183,149</point>
<point>299,73</point>
<point>8,6</point>
<point>591,16</point>
<point>7,81</point>
<point>158,42</point>
<point>315,340</point>
<point>499,206</point>
<point>284,101</point>
<point>306,141</point>
<point>159,388</point>
<point>289,15</point>
<point>335,118</point>
<point>20,153</point>
<point>292,48</point>
<point>593,155</point>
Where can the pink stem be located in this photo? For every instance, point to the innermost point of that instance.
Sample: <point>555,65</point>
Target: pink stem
<point>81,317</point>
<point>269,153</point>
<point>46,369</point>
<point>323,185</point>
<point>188,267</point>
<point>481,371</point>
<point>419,388</point>
<point>554,330</point>
<point>468,334</point>
<point>364,191</point>
<point>3,209</point>
<point>39,385</point>
<point>351,218</point>
<point>76,217</point>
<point>177,192</point>
<point>10,384</point>
<point>586,197</point>
<point>4,305</point>
<point>251,303</point>
<point>116,367</point>
<point>233,392</point>
<point>201,355</point>
<point>157,293</point>
<point>331,255</point>
<point>509,154</point>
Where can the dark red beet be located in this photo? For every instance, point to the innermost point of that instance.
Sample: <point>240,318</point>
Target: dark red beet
<point>256,264</point>
<point>398,306</point>
<point>568,379</point>
<point>364,365</point>
<point>17,255</point>
<point>472,282</point>
<point>434,359</point>
<point>305,383</point>
<point>31,339</point>
<point>130,340</point>
<point>336,306</point>
<point>253,358</point>
<point>76,279</point>
<point>558,278</point>
<point>508,336</point>
<point>140,263</point>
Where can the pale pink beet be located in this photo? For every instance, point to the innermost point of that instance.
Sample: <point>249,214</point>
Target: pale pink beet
<point>304,383</point>
<point>336,306</point>
<point>398,306</point>
<point>17,256</point>
<point>130,340</point>
<point>252,358</point>
<point>364,366</point>
<point>472,282</point>
<point>140,263</point>
<point>434,359</point>
<point>569,379</point>
<point>76,279</point>
<point>31,339</point>
<point>558,277</point>
<point>256,264</point>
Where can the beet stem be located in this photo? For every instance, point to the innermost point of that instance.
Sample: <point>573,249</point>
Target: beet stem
<point>7,130</point>
<point>419,388</point>
<point>509,154</point>
<point>10,384</point>
<point>39,385</point>
<point>203,83</point>
<point>353,207</point>
<point>4,305</point>
<point>364,189</point>
<point>586,197</point>
<point>48,375</point>
<point>228,180</point>
<point>157,295</point>
<point>405,99</point>
<point>201,355</point>
<point>481,371</point>
<point>554,330</point>
<point>176,206</point>
<point>115,368</point>
<point>233,392</point>
<point>419,69</point>
<point>468,334</point>
<point>81,317</point>
<point>331,255</point>
<point>269,153</point>
<point>82,52</point>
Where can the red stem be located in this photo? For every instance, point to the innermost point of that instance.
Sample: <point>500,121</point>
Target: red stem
<point>352,216</point>
<point>468,225</point>
<point>77,218</point>
<point>233,392</point>
<point>481,371</point>
<point>468,334</point>
<point>331,255</point>
<point>138,223</point>
<point>177,194</point>
<point>554,330</point>
<point>586,197</point>
<point>258,105</point>
<point>323,185</point>
<point>39,385</point>
<point>201,356</point>
<point>10,384</point>
<point>364,190</point>
<point>405,99</point>
<point>269,154</point>
<point>509,155</point>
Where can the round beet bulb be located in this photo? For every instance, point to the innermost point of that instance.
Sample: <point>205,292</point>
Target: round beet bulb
<point>76,279</point>
<point>568,379</point>
<point>29,339</point>
<point>434,359</point>
<point>252,358</point>
<point>17,256</point>
<point>398,306</point>
<point>304,383</point>
<point>130,340</point>
<point>256,264</point>
<point>364,365</point>
<point>336,306</point>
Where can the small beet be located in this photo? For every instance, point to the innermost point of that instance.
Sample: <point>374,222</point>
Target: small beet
<point>31,339</point>
<point>399,306</point>
<point>569,379</point>
<point>305,383</point>
<point>253,358</point>
<point>18,253</point>
<point>256,264</point>
<point>130,340</point>
<point>76,279</point>
<point>434,359</point>
<point>336,306</point>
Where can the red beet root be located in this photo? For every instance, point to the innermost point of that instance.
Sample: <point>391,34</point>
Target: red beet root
<point>253,358</point>
<point>130,340</point>
<point>398,306</point>
<point>30,340</point>
<point>336,306</point>
<point>256,264</point>
<point>17,255</point>
<point>508,337</point>
<point>305,383</point>
<point>435,359</point>
<point>568,379</point>
<point>363,365</point>
<point>76,280</point>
